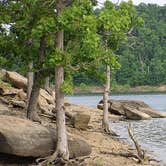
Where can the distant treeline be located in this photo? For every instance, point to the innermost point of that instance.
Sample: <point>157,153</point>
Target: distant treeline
<point>143,56</point>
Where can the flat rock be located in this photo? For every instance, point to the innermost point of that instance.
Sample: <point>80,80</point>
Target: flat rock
<point>22,137</point>
<point>134,114</point>
<point>129,108</point>
<point>50,99</point>
<point>18,103</point>
<point>16,80</point>
<point>7,90</point>
<point>44,106</point>
<point>152,113</point>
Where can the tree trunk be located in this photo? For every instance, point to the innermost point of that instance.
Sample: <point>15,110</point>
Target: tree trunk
<point>38,77</point>
<point>47,84</point>
<point>62,145</point>
<point>105,122</point>
<point>105,100</point>
<point>32,104</point>
<point>30,80</point>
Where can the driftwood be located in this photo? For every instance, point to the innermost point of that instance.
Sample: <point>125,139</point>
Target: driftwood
<point>140,156</point>
<point>140,152</point>
<point>22,137</point>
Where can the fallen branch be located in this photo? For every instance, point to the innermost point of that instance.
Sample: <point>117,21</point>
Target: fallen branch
<point>140,152</point>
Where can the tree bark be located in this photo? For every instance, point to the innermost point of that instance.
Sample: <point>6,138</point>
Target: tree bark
<point>38,77</point>
<point>47,84</point>
<point>105,100</point>
<point>30,80</point>
<point>32,104</point>
<point>105,122</point>
<point>62,145</point>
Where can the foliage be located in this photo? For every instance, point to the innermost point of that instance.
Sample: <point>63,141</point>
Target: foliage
<point>143,58</point>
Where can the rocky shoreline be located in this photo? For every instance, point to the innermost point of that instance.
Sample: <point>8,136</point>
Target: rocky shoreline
<point>104,150</point>
<point>121,89</point>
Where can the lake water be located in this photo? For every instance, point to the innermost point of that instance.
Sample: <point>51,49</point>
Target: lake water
<point>150,133</point>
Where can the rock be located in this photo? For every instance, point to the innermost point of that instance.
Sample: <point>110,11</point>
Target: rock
<point>22,95</point>
<point>152,113</point>
<point>118,107</point>
<point>134,114</point>
<point>80,121</point>
<point>100,106</point>
<point>18,103</point>
<point>16,80</point>
<point>22,137</point>
<point>50,99</point>
<point>2,74</point>
<point>6,89</point>
<point>3,107</point>
<point>44,106</point>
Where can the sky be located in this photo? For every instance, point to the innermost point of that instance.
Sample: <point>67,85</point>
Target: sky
<point>136,2</point>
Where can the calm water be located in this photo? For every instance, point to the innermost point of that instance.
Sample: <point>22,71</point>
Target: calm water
<point>150,133</point>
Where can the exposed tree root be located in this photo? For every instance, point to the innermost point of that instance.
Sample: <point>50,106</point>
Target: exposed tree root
<point>33,116</point>
<point>107,130</point>
<point>54,159</point>
<point>57,161</point>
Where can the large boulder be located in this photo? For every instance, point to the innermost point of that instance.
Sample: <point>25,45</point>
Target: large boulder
<point>22,137</point>
<point>16,80</point>
<point>129,108</point>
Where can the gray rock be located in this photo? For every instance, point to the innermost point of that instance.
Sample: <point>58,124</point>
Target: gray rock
<point>134,114</point>
<point>129,108</point>
<point>22,137</point>
<point>81,121</point>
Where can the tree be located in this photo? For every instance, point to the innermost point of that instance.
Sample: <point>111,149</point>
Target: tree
<point>146,45</point>
<point>115,22</point>
<point>31,26</point>
<point>77,50</point>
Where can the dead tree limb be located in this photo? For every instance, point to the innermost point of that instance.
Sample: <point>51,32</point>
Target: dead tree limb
<point>140,152</point>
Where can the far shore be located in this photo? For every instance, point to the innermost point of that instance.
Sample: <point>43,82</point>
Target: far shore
<point>120,89</point>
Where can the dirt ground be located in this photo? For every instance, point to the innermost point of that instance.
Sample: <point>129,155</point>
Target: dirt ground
<point>103,143</point>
